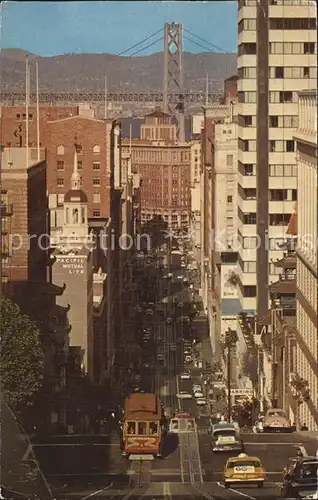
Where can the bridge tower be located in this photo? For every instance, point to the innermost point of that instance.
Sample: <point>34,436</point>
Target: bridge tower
<point>173,76</point>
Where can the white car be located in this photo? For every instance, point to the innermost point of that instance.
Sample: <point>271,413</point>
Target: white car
<point>185,376</point>
<point>184,395</point>
<point>276,420</point>
<point>197,388</point>
<point>188,359</point>
<point>198,394</point>
<point>201,402</point>
<point>149,312</point>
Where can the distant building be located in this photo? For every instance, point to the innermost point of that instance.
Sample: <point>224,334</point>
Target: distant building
<point>195,218</point>
<point>164,168</point>
<point>230,90</point>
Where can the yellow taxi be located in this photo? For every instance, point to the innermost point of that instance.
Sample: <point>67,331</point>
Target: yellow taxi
<point>243,469</point>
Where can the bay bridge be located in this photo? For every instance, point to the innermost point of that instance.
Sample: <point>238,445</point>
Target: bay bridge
<point>189,97</point>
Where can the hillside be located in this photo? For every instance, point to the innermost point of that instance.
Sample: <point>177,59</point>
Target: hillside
<point>80,72</point>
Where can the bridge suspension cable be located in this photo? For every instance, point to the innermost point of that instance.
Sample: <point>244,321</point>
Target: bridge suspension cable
<point>216,47</point>
<point>147,46</point>
<point>140,43</point>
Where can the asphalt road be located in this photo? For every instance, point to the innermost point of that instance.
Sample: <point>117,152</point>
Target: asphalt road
<point>91,467</point>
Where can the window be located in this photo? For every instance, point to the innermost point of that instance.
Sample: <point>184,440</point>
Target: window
<point>249,291</point>
<point>249,219</point>
<point>279,72</point>
<point>309,48</point>
<point>249,267</point>
<point>229,199</point>
<point>96,181</point>
<point>60,150</point>
<point>96,213</point>
<point>96,197</point>
<point>79,149</point>
<point>247,72</point>
<point>142,428</point>
<point>249,194</point>
<point>229,160</point>
<point>131,428</point>
<point>273,121</point>
<point>247,121</point>
<point>290,146</point>
<point>279,219</point>
<point>246,97</point>
<point>278,194</point>
<point>60,165</point>
<point>247,49</point>
<point>60,182</point>
<point>96,150</point>
<point>283,170</point>
<point>96,165</point>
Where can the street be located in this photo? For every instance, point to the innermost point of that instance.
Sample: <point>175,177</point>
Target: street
<point>91,466</point>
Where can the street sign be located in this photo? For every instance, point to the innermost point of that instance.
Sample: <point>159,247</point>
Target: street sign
<point>241,392</point>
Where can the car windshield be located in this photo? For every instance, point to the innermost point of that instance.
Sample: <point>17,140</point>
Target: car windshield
<point>309,470</point>
<point>276,413</point>
<point>224,433</point>
<point>243,463</point>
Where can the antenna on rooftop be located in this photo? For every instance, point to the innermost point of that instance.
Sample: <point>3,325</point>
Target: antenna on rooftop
<point>27,98</point>
<point>37,108</point>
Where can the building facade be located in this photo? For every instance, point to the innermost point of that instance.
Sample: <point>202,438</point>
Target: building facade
<point>165,170</point>
<point>24,220</point>
<point>292,67</point>
<point>307,262</point>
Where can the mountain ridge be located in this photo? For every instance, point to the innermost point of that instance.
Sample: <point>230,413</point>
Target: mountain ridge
<point>86,72</point>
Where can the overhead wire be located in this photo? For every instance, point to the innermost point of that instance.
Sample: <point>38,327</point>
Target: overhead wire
<point>141,42</point>
<point>198,44</point>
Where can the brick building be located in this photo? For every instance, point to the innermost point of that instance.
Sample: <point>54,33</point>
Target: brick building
<point>165,169</point>
<point>60,127</point>
<point>24,213</point>
<point>230,90</point>
<point>12,130</point>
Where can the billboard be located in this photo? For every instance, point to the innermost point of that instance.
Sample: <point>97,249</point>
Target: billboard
<point>228,288</point>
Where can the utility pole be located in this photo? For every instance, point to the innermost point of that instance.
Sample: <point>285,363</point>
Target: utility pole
<point>229,402</point>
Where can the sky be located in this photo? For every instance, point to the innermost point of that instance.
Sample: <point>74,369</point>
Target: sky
<point>51,28</point>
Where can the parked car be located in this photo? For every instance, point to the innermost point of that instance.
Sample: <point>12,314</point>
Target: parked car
<point>185,376</point>
<point>300,481</point>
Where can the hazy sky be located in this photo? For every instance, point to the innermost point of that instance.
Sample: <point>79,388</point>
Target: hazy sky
<point>50,28</point>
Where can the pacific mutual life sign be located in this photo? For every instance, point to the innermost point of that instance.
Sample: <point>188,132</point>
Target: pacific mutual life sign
<point>75,265</point>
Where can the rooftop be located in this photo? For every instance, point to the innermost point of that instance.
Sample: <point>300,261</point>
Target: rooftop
<point>14,159</point>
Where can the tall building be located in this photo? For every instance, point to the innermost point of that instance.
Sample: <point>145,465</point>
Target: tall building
<point>164,167</point>
<point>24,220</point>
<point>292,61</point>
<point>195,218</point>
<point>307,257</point>
<point>72,267</point>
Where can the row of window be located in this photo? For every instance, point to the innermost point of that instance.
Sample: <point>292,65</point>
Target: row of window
<point>60,181</point>
<point>60,165</point>
<point>275,121</point>
<point>61,150</point>
<point>274,194</point>
<point>251,243</point>
<point>280,23</point>
<point>286,48</point>
<point>249,267</point>
<point>275,97</point>
<point>253,3</point>
<point>249,169</point>
<point>274,219</point>
<point>279,72</point>
<point>273,146</point>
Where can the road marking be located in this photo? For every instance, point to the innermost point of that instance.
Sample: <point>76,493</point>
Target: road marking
<point>236,491</point>
<point>97,492</point>
<point>166,490</point>
<point>303,451</point>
